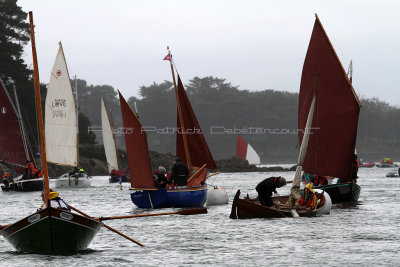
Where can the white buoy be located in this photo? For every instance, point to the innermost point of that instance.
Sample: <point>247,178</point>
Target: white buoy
<point>216,195</point>
<point>328,203</point>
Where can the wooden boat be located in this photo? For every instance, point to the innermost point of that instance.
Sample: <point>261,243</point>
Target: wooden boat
<point>333,135</point>
<point>145,194</point>
<point>191,148</point>
<point>245,151</point>
<point>50,230</point>
<point>61,123</point>
<point>110,146</point>
<point>246,208</point>
<point>14,149</point>
<point>362,164</point>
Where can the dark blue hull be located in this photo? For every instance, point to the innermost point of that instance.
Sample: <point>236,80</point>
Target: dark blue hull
<point>342,193</point>
<point>168,198</point>
<point>24,185</point>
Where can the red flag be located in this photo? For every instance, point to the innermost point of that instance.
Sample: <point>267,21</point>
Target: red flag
<point>167,57</point>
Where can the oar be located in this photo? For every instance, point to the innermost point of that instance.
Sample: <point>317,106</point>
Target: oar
<point>108,227</point>
<point>212,174</point>
<point>181,212</point>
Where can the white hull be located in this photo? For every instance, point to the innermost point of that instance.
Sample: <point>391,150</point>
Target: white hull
<point>216,195</point>
<point>328,203</point>
<point>70,182</point>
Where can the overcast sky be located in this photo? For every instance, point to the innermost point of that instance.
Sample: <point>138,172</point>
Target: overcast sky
<point>255,45</point>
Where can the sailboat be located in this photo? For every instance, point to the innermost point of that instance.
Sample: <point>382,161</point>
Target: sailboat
<point>245,151</point>
<point>110,147</point>
<point>14,150</point>
<point>334,128</point>
<point>49,230</point>
<point>61,122</point>
<point>145,194</point>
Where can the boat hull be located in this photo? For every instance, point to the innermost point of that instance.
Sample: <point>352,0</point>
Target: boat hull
<point>24,185</point>
<point>367,165</point>
<point>114,179</point>
<point>168,198</point>
<point>386,165</point>
<point>392,174</point>
<point>342,193</point>
<point>52,231</point>
<point>66,181</point>
<point>249,208</point>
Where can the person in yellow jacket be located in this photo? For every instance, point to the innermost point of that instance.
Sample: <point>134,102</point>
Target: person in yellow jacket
<point>55,201</point>
<point>308,199</point>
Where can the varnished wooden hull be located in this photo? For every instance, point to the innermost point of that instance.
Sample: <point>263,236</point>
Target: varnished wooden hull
<point>248,208</point>
<point>52,231</point>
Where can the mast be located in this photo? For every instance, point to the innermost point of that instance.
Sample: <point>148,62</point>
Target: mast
<point>77,121</point>
<point>185,143</point>
<point>350,71</point>
<point>21,125</point>
<point>39,112</point>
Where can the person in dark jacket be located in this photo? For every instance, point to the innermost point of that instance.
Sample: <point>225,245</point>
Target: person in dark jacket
<point>267,187</point>
<point>160,178</point>
<point>179,173</point>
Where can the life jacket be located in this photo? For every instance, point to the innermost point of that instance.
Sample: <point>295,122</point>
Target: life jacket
<point>6,175</point>
<point>320,179</point>
<point>306,200</point>
<point>37,173</point>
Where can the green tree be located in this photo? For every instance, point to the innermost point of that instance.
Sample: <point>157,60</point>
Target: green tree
<point>14,34</point>
<point>85,136</point>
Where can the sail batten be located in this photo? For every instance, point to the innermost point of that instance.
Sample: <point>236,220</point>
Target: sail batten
<point>136,148</point>
<point>12,148</point>
<point>60,116</point>
<point>108,139</point>
<point>199,152</point>
<point>334,127</point>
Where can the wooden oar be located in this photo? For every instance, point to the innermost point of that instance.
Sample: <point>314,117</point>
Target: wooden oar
<point>212,174</point>
<point>181,212</point>
<point>108,227</point>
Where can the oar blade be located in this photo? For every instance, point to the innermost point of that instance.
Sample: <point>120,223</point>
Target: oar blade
<point>193,211</point>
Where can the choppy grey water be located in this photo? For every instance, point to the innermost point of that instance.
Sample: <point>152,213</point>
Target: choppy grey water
<point>365,234</point>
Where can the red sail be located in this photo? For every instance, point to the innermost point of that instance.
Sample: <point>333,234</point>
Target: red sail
<point>241,148</point>
<point>198,178</point>
<point>136,148</point>
<point>199,152</point>
<point>11,142</point>
<point>333,137</point>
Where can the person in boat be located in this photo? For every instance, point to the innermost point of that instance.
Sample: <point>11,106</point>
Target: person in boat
<point>29,170</point>
<point>179,173</point>
<point>354,169</point>
<point>308,198</point>
<point>115,173</point>
<point>160,177</point>
<point>7,179</point>
<point>81,172</point>
<point>268,186</point>
<point>75,172</point>
<point>55,201</point>
<point>317,180</point>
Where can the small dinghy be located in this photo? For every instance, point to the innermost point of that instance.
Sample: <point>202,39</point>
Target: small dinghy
<point>74,181</point>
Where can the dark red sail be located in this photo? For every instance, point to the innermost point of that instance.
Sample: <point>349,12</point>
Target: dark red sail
<point>333,137</point>
<point>241,148</point>
<point>11,143</point>
<point>136,148</point>
<point>199,152</point>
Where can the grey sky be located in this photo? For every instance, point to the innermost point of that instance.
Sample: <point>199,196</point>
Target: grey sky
<point>254,44</point>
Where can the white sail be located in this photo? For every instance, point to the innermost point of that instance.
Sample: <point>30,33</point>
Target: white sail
<point>60,116</point>
<point>108,139</point>
<point>252,156</point>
